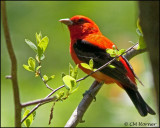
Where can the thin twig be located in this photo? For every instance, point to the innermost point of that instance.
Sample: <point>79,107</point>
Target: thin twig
<point>45,81</point>
<point>39,101</point>
<point>39,63</point>
<point>13,67</point>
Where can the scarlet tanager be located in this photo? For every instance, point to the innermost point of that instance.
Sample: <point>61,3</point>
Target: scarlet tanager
<point>87,42</point>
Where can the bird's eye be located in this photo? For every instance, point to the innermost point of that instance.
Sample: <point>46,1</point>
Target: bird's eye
<point>80,20</point>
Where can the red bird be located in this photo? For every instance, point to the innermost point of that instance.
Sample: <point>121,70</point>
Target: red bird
<point>87,42</point>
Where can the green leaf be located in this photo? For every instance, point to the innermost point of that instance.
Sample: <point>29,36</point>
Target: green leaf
<point>29,119</point>
<point>45,77</point>
<point>60,95</point>
<point>40,53</point>
<point>121,51</point>
<point>75,90</point>
<point>71,69</point>
<point>27,68</point>
<point>52,76</point>
<point>110,51</point>
<point>113,55</point>
<point>114,47</point>
<point>116,52</point>
<point>94,69</point>
<point>91,63</point>
<point>38,37</point>
<point>69,82</point>
<point>84,65</point>
<point>38,68</point>
<point>37,58</point>
<point>63,74</point>
<point>138,26</point>
<point>42,57</point>
<point>75,72</point>
<point>31,63</point>
<point>111,66</point>
<point>43,43</point>
<point>31,44</point>
<point>142,43</point>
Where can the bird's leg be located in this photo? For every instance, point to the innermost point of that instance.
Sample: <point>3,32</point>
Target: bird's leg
<point>92,92</point>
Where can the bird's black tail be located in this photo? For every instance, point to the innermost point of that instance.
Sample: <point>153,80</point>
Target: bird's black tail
<point>139,103</point>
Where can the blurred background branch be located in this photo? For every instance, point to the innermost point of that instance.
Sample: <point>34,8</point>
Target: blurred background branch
<point>17,105</point>
<point>149,21</point>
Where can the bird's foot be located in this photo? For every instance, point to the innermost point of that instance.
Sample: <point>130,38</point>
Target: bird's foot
<point>91,93</point>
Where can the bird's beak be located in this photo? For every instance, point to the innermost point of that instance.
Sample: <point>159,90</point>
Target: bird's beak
<point>66,21</point>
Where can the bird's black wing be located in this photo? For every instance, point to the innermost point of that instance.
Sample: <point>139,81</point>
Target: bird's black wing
<point>86,51</point>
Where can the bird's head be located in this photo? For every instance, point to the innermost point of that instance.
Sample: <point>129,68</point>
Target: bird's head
<point>80,26</point>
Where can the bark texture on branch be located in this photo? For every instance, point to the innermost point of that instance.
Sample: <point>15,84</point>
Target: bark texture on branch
<point>133,52</point>
<point>78,113</point>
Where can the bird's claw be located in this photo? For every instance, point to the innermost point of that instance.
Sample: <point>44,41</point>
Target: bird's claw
<point>89,92</point>
<point>81,121</point>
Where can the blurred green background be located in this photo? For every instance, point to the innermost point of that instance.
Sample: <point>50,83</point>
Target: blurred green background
<point>116,20</point>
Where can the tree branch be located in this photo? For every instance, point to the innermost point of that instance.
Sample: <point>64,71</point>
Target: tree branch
<point>134,51</point>
<point>78,113</point>
<point>39,101</point>
<point>38,105</point>
<point>13,67</point>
